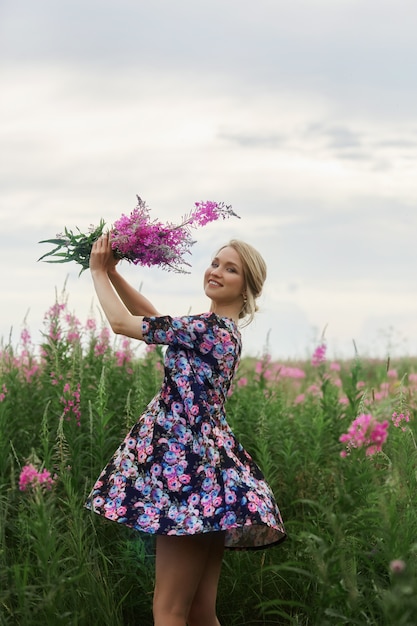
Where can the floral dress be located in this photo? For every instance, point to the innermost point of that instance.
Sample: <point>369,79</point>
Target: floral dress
<point>180,470</point>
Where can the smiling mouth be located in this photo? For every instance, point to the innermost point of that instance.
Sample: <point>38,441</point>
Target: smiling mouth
<point>214,283</point>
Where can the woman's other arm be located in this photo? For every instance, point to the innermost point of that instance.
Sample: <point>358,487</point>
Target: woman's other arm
<point>136,303</point>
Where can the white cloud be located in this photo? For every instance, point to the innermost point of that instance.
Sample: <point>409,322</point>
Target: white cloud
<point>299,115</point>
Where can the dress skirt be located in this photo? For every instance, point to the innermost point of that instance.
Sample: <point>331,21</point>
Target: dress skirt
<point>181,470</point>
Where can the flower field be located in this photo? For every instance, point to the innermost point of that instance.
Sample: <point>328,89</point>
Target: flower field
<point>336,441</point>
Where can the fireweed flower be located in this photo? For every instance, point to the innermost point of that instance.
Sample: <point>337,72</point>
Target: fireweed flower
<point>73,333</point>
<point>3,393</point>
<point>25,337</point>
<point>31,478</point>
<point>138,239</point>
<point>103,343</point>
<point>52,319</point>
<point>397,566</point>
<point>319,355</point>
<point>365,432</point>
<point>314,390</point>
<point>289,372</point>
<point>400,419</point>
<point>124,355</point>
<point>91,324</point>
<point>71,401</point>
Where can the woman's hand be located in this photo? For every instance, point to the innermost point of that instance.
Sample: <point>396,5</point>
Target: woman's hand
<point>102,257</point>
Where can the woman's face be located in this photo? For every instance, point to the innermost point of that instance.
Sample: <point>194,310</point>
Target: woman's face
<point>224,281</point>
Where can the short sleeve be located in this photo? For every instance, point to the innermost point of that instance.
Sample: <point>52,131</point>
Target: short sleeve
<point>187,331</point>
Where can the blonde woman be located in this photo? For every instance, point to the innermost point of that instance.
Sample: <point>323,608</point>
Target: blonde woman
<point>180,473</point>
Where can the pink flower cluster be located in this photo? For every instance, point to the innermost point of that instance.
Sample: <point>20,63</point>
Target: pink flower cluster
<point>400,419</point>
<point>365,432</point>
<point>142,241</point>
<point>125,354</point>
<point>24,362</point>
<point>271,371</point>
<point>103,343</point>
<point>397,566</point>
<point>3,393</point>
<point>319,355</point>
<point>30,478</point>
<point>71,401</point>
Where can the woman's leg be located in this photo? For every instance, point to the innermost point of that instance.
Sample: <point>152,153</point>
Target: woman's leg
<point>181,564</point>
<point>203,608</point>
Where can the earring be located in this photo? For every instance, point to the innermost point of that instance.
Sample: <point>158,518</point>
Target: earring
<point>245,298</point>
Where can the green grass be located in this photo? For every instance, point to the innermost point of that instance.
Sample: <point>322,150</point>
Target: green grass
<point>347,518</point>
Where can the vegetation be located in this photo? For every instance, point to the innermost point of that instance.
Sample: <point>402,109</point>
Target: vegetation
<point>350,508</point>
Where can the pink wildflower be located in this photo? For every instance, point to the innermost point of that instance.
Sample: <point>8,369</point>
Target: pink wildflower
<point>91,324</point>
<point>124,355</point>
<point>242,382</point>
<point>3,393</point>
<point>291,372</point>
<point>392,373</point>
<point>25,337</point>
<point>397,566</point>
<point>55,378</point>
<point>102,345</point>
<point>30,372</point>
<point>71,401</point>
<point>365,431</point>
<point>30,478</point>
<point>53,317</point>
<point>141,240</point>
<point>319,355</point>
<point>334,367</point>
<point>262,364</point>
<point>314,390</point>
<point>399,419</point>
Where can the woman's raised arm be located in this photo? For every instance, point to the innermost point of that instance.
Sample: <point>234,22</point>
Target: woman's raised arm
<point>136,303</point>
<point>122,319</point>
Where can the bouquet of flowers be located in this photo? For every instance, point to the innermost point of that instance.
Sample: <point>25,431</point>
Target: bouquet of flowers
<point>138,239</point>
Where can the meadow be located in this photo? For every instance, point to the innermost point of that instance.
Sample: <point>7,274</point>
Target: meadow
<point>336,441</point>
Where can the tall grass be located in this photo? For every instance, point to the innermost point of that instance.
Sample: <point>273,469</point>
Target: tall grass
<point>350,557</point>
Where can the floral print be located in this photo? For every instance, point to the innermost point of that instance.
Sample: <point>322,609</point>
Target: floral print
<point>180,470</point>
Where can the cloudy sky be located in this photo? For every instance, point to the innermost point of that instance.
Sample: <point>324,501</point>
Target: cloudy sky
<point>301,115</point>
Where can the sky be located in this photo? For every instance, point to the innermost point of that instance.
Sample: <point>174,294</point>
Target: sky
<point>301,115</point>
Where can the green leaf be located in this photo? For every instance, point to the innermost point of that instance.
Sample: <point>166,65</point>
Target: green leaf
<point>58,242</point>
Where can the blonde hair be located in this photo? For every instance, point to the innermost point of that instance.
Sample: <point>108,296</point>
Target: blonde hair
<point>254,272</point>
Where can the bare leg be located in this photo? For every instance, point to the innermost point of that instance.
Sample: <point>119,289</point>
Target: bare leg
<point>181,564</point>
<point>203,608</point>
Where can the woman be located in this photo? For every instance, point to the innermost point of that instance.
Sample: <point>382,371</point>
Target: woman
<point>180,473</point>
